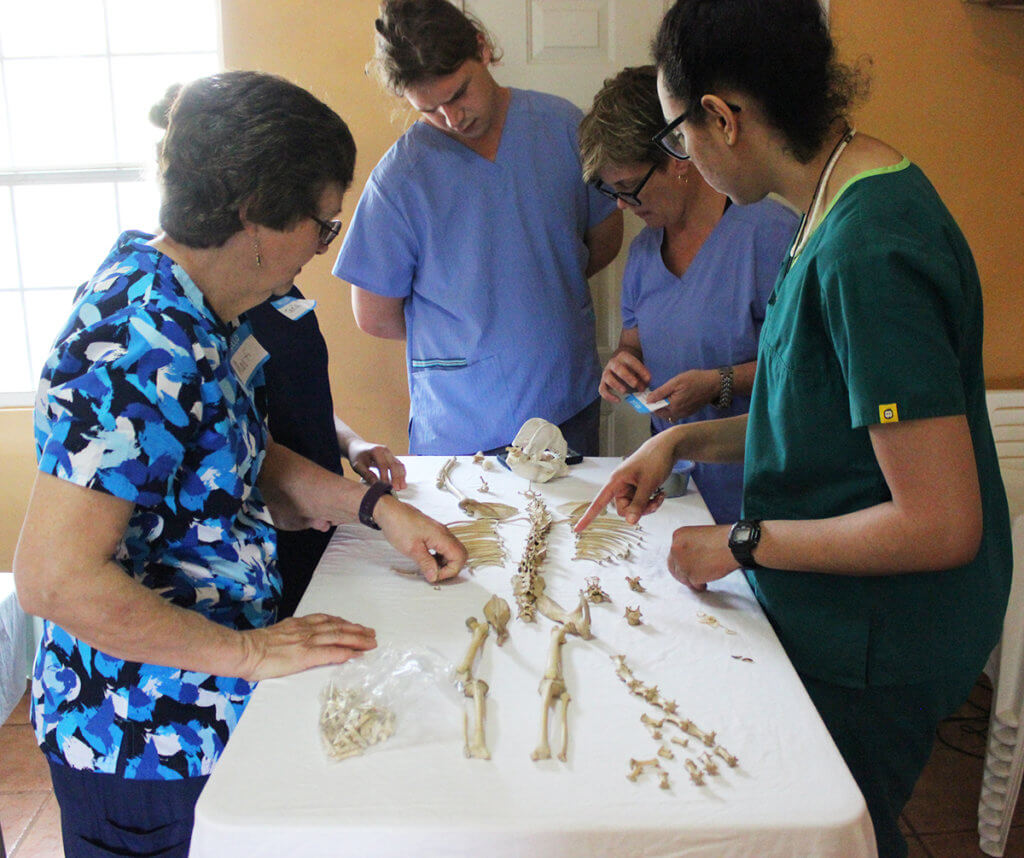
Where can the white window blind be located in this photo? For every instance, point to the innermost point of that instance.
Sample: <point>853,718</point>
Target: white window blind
<point>77,149</point>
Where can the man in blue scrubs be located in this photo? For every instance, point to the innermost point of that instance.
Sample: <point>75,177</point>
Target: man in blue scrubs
<point>473,241</point>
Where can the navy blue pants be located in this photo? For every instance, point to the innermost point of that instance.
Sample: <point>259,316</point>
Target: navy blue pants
<point>102,815</point>
<point>885,735</point>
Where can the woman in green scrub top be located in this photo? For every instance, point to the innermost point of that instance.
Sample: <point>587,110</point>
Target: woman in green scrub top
<point>875,531</point>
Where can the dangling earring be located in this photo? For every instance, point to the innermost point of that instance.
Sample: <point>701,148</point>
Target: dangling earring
<point>256,247</point>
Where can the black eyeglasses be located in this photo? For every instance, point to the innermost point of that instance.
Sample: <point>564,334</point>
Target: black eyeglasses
<point>670,139</point>
<point>630,197</point>
<point>329,230</point>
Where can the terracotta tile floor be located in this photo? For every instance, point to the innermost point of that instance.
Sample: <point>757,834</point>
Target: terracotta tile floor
<point>940,821</point>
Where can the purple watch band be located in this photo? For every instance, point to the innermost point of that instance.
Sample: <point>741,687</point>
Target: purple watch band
<point>367,505</point>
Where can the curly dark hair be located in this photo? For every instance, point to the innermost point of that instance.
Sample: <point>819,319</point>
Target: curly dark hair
<point>245,138</point>
<point>421,39</point>
<point>777,51</point>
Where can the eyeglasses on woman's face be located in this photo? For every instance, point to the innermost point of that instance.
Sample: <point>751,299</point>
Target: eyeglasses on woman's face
<point>670,139</point>
<point>329,230</point>
<point>629,197</point>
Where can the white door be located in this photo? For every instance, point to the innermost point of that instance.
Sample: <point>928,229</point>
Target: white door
<point>569,47</point>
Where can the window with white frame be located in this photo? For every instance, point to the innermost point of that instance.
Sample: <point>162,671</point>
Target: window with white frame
<point>77,149</point>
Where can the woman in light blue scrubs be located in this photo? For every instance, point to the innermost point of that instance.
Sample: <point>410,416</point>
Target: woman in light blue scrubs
<point>697,279</point>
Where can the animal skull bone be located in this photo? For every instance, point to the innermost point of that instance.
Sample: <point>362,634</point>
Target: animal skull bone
<point>538,451</point>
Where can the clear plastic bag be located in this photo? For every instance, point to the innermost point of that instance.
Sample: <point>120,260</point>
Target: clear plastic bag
<point>389,698</point>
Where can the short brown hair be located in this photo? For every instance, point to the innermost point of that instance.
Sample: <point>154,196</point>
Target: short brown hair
<point>421,39</point>
<point>624,118</point>
<point>245,138</point>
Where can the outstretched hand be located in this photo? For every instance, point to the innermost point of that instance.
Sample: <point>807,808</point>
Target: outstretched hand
<point>298,643</point>
<point>635,486</point>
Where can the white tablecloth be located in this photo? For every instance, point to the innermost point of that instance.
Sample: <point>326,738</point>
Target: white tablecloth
<point>13,644</point>
<point>275,793</point>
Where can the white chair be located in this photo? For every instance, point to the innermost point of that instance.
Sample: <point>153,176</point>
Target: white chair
<point>1004,756</point>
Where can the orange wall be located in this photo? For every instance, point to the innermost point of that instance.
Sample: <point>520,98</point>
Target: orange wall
<point>948,89</point>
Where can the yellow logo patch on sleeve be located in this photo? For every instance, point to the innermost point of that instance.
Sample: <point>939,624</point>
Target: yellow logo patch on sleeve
<point>888,413</point>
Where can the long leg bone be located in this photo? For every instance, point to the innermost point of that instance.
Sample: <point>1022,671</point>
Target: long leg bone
<point>476,748</point>
<point>552,688</point>
<point>479,631</point>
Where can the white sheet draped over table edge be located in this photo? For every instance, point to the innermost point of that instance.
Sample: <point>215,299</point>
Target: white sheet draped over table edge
<point>13,647</point>
<point>274,791</point>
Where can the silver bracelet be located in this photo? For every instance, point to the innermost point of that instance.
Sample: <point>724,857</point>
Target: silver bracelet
<point>724,399</point>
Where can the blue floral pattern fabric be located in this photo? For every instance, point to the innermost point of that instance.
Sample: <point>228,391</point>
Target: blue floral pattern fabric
<point>139,399</point>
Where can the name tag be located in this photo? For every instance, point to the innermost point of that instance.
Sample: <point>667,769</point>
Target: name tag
<point>247,357</point>
<point>293,308</point>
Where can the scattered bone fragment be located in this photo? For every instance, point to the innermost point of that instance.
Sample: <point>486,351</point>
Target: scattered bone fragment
<point>480,459</point>
<point>709,620</point>
<point>746,658</point>
<point>635,585</point>
<point>663,781</point>
<point>593,591</point>
<point>652,725</point>
<point>730,760</point>
<point>476,747</point>
<point>552,688</point>
<point>637,767</point>
<point>633,615</point>
<point>710,766</point>
<point>682,742</point>
<point>498,614</point>
<point>350,722</point>
<point>484,487</point>
<point>696,775</point>
<point>666,752</point>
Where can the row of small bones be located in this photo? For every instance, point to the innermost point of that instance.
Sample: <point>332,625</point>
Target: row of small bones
<point>651,695</point>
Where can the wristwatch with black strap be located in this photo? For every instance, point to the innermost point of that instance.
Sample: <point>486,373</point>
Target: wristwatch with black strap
<point>743,539</point>
<point>368,504</point>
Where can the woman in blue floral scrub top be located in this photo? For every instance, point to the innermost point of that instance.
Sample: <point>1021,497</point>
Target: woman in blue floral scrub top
<point>148,545</point>
<point>875,531</point>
